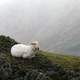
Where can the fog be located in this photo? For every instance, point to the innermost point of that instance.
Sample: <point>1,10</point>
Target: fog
<point>55,23</point>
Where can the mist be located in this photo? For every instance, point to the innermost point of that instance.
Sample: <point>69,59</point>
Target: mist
<point>54,23</point>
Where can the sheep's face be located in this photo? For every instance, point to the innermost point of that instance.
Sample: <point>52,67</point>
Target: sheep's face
<point>35,45</point>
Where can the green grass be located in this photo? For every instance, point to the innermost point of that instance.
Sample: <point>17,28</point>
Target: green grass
<point>66,61</point>
<point>42,61</point>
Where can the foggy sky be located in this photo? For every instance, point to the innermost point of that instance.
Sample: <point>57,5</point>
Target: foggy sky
<point>55,23</point>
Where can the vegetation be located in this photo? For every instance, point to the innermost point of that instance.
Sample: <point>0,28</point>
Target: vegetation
<point>6,43</point>
<point>67,61</point>
<point>44,66</point>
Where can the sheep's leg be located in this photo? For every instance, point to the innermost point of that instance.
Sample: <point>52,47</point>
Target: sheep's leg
<point>24,56</point>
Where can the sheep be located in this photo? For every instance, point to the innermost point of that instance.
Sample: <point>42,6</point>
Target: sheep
<point>24,51</point>
<point>36,45</point>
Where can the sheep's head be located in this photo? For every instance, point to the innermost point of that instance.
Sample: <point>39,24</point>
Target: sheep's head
<point>35,45</point>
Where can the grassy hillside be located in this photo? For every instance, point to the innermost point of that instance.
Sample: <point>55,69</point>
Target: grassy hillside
<point>67,61</point>
<point>44,66</point>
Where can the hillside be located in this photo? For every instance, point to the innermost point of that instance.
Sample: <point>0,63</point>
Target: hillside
<point>44,66</point>
<point>66,61</point>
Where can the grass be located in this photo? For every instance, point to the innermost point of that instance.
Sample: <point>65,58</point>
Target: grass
<point>42,61</point>
<point>66,61</point>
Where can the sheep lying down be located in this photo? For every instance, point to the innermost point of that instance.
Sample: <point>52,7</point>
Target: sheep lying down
<point>21,50</point>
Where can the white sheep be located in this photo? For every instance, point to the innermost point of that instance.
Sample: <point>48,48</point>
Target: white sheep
<point>25,51</point>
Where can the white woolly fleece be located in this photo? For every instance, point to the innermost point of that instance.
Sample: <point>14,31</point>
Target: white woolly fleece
<point>21,50</point>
